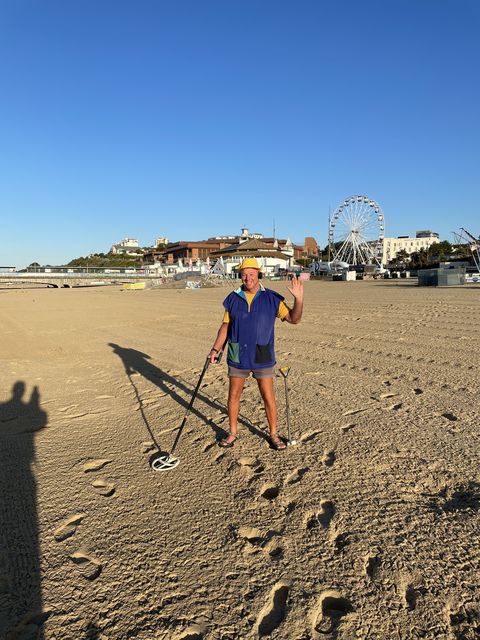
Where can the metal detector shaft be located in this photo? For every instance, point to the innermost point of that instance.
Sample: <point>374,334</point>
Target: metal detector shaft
<point>285,371</point>
<point>287,410</point>
<point>192,400</point>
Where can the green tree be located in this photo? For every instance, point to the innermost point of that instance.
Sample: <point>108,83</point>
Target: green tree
<point>107,260</point>
<point>440,250</point>
<point>419,259</point>
<point>402,257</point>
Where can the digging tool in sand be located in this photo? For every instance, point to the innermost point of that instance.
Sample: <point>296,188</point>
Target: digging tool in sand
<point>285,371</point>
<point>162,461</point>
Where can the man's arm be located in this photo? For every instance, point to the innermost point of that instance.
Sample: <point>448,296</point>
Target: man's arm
<point>219,343</point>
<point>296,289</point>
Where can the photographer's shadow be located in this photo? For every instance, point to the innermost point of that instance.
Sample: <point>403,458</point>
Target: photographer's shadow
<point>21,612</point>
<point>137,362</point>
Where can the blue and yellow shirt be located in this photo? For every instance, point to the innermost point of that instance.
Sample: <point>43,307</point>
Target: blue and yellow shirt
<point>251,320</point>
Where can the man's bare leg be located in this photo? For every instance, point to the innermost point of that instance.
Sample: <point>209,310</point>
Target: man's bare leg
<point>268,394</point>
<point>234,393</point>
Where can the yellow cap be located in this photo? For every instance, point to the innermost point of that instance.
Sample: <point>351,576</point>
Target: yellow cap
<point>249,263</point>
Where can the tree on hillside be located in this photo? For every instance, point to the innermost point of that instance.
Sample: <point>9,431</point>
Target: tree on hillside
<point>107,260</point>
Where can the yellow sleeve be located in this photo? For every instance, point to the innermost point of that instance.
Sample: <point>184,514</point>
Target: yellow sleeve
<point>283,310</point>
<point>226,317</point>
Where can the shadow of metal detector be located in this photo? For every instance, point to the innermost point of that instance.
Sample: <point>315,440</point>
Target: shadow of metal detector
<point>162,461</point>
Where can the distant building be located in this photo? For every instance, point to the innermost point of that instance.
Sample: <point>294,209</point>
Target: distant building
<point>183,250</point>
<point>245,235</point>
<point>271,259</point>
<point>426,233</point>
<point>161,241</point>
<point>422,240</point>
<point>310,248</point>
<point>285,246</point>
<point>128,246</point>
<point>215,247</point>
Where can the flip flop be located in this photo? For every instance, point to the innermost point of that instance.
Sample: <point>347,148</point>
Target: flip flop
<point>226,445</point>
<point>277,443</point>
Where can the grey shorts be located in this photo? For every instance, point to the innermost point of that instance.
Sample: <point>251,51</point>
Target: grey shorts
<point>258,374</point>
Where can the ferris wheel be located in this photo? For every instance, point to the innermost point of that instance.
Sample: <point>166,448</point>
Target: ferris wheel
<point>356,231</point>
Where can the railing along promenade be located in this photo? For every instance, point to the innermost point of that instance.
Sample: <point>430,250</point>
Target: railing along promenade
<point>67,280</point>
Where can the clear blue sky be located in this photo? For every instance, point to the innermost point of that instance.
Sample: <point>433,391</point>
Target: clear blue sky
<point>190,118</point>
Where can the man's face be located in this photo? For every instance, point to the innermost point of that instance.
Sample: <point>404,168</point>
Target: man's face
<point>249,279</point>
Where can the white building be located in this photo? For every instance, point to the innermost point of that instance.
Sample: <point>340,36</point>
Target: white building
<point>128,246</point>
<point>270,258</point>
<point>422,240</point>
<point>243,237</point>
<point>246,235</point>
<point>161,240</point>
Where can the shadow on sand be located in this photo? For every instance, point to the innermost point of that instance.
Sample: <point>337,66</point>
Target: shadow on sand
<point>21,611</point>
<point>136,362</point>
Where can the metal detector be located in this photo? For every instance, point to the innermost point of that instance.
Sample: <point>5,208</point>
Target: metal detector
<point>162,461</point>
<point>285,371</point>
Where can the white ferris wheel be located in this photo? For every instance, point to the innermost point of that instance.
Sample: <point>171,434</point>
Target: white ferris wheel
<point>356,230</point>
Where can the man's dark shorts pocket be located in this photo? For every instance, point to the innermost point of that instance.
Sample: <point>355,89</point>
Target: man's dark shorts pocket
<point>263,353</point>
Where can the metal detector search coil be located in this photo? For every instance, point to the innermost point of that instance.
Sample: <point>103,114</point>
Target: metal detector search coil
<point>164,462</point>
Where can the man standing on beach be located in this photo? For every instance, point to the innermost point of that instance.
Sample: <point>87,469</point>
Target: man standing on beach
<point>248,325</point>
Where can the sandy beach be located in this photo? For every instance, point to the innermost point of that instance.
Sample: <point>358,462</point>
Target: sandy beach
<point>367,528</point>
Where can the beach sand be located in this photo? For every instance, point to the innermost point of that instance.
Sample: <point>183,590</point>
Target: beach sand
<point>367,528</point>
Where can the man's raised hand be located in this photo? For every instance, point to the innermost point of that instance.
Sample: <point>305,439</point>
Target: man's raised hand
<point>296,288</point>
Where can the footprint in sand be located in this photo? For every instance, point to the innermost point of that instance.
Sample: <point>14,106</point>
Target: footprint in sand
<point>68,527</point>
<point>352,412</point>
<point>148,446</point>
<point>95,465</point>
<point>89,567</point>
<point>340,540</point>
<point>288,505</point>
<point>372,565</point>
<point>296,475</point>
<point>463,618</point>
<point>250,467</point>
<point>273,613</point>
<point>103,487</point>
<point>218,457</point>
<point>322,517</point>
<point>269,491</point>
<point>331,607</point>
<point>328,457</point>
<point>449,416</point>
<point>194,632</point>
<point>251,534</point>
<point>273,548</point>
<point>307,437</point>
<point>395,407</point>
<point>409,595</point>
